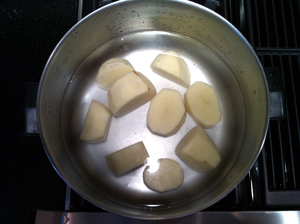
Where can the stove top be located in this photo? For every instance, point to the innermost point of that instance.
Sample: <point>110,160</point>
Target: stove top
<point>29,184</point>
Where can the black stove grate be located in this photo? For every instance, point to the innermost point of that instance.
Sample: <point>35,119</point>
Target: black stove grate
<point>277,21</point>
<point>271,24</point>
<point>282,147</point>
<point>273,29</point>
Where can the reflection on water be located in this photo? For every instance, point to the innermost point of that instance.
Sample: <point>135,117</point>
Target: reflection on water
<point>153,164</point>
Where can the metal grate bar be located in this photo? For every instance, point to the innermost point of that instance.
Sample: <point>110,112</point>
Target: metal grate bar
<point>271,165</point>
<point>242,17</point>
<point>231,17</point>
<point>283,31</point>
<point>234,12</point>
<point>293,117</point>
<point>289,169</point>
<point>273,39</point>
<point>276,156</point>
<point>275,23</point>
<point>290,7</point>
<point>257,24</point>
<point>295,59</point>
<point>282,143</point>
<point>283,160</point>
<point>294,82</point>
<point>265,13</point>
<point>224,8</point>
<point>249,33</point>
<point>229,8</point>
<point>293,26</point>
<point>282,146</point>
<point>293,105</point>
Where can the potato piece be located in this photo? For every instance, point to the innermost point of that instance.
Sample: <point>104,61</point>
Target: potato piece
<point>163,175</point>
<point>166,113</point>
<point>111,70</point>
<point>171,66</point>
<point>198,150</point>
<point>129,92</point>
<point>97,123</point>
<point>113,61</point>
<point>203,105</point>
<point>127,159</point>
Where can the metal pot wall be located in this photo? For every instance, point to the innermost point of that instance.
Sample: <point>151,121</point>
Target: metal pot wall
<point>138,30</point>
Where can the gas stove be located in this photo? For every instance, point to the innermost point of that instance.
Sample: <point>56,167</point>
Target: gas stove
<point>271,190</point>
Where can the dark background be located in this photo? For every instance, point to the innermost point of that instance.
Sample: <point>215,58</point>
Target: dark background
<point>29,31</point>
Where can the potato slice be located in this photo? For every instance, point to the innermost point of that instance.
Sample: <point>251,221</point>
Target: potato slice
<point>198,150</point>
<point>163,175</point>
<point>166,113</point>
<point>97,123</point>
<point>129,92</point>
<point>203,104</point>
<point>113,61</point>
<point>111,70</point>
<point>171,66</point>
<point>127,159</point>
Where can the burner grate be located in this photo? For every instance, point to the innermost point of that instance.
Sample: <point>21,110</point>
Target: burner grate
<point>273,29</point>
<point>264,23</point>
<point>277,21</point>
<point>282,146</point>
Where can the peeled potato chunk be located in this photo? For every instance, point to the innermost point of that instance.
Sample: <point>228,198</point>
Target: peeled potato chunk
<point>163,175</point>
<point>166,113</point>
<point>111,70</point>
<point>171,66</point>
<point>129,92</point>
<point>198,150</point>
<point>203,104</point>
<point>97,123</point>
<point>127,159</point>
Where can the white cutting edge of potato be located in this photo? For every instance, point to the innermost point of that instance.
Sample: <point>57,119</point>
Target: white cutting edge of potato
<point>130,92</point>
<point>198,150</point>
<point>111,70</point>
<point>127,159</point>
<point>163,175</point>
<point>203,105</point>
<point>171,66</point>
<point>166,113</point>
<point>97,123</point>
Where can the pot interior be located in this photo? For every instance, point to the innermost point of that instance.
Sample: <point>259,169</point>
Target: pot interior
<point>137,31</point>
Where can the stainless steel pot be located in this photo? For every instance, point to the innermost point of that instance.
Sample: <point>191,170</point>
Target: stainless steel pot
<point>138,30</point>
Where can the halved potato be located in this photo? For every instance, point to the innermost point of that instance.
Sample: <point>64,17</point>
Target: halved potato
<point>171,66</point>
<point>203,104</point>
<point>97,123</point>
<point>127,159</point>
<point>166,113</point>
<point>111,70</point>
<point>163,175</point>
<point>198,150</point>
<point>130,92</point>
